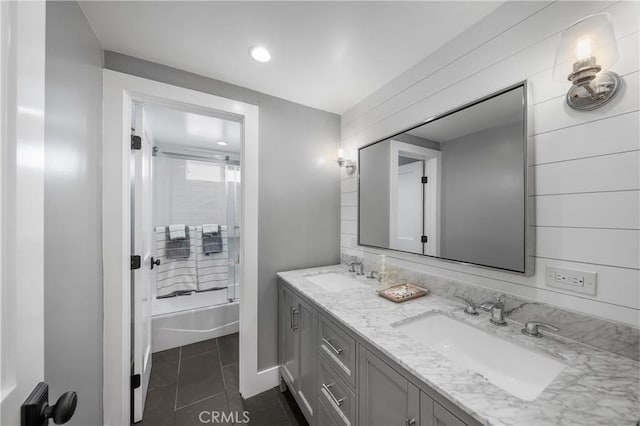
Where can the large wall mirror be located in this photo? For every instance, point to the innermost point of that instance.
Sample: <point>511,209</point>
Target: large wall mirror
<point>453,187</point>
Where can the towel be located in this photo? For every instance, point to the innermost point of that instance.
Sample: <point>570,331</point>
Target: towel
<point>212,239</point>
<point>211,228</point>
<point>177,232</point>
<point>176,276</point>
<point>177,248</point>
<point>213,268</point>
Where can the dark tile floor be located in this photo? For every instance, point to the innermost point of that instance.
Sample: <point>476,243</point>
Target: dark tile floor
<point>203,377</point>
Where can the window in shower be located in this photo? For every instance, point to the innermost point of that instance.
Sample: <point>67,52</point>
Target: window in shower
<point>199,192</point>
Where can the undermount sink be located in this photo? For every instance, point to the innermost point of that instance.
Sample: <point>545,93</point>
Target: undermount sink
<point>335,282</point>
<point>520,371</point>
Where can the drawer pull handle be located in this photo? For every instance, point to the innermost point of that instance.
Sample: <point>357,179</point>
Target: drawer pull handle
<point>336,401</point>
<point>294,323</point>
<point>409,422</point>
<point>327,342</point>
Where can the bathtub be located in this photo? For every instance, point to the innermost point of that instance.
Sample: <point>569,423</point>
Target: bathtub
<point>182,320</point>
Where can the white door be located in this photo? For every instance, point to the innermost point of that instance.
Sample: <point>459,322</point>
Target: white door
<point>22,42</point>
<point>142,245</point>
<point>408,207</point>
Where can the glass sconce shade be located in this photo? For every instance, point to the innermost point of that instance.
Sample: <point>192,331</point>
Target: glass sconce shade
<point>587,50</point>
<point>349,165</point>
<point>589,42</point>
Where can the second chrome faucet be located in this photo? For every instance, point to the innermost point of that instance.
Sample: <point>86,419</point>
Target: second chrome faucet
<point>495,308</point>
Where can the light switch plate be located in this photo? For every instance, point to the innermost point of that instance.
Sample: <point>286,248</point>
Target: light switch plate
<point>571,280</point>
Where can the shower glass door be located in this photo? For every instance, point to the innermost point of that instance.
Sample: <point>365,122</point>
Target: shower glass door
<point>233,220</point>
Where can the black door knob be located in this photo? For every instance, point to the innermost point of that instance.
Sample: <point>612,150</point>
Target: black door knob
<point>64,408</point>
<point>36,411</point>
<point>154,262</point>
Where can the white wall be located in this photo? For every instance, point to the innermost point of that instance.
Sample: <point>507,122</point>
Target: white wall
<point>586,164</point>
<point>73,211</point>
<point>178,200</point>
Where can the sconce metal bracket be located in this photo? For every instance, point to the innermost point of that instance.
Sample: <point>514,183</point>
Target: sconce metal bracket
<point>595,93</point>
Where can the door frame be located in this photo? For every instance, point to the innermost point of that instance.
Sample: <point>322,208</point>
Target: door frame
<point>431,211</point>
<point>119,91</point>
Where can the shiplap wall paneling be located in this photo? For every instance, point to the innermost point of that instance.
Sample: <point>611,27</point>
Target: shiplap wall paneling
<point>585,164</point>
<point>524,51</point>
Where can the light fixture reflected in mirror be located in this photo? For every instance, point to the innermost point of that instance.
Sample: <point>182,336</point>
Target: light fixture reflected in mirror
<point>587,49</point>
<point>349,165</point>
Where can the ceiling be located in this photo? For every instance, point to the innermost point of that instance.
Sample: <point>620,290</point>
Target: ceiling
<point>494,112</point>
<point>174,127</point>
<point>328,55</point>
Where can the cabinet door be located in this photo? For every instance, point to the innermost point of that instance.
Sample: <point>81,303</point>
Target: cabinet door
<point>426,410</point>
<point>386,398</point>
<point>306,329</point>
<point>442,417</point>
<point>288,338</point>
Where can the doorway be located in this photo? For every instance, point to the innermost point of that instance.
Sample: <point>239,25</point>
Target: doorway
<point>185,229</point>
<point>120,93</point>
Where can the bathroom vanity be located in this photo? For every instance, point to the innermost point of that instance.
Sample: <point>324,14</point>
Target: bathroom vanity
<point>350,357</point>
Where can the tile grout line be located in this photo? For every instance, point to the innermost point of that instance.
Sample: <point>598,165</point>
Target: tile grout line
<point>175,399</point>
<point>200,400</point>
<point>202,353</point>
<point>224,382</point>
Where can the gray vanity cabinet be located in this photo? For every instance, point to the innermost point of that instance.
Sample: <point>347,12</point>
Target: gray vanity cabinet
<point>308,369</point>
<point>386,398</point>
<point>339,380</point>
<point>288,338</point>
<point>434,414</point>
<point>297,331</point>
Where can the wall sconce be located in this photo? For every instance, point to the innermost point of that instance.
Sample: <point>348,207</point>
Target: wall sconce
<point>587,49</point>
<point>349,165</point>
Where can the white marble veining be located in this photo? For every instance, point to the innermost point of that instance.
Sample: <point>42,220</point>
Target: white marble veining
<point>618,338</point>
<point>595,388</point>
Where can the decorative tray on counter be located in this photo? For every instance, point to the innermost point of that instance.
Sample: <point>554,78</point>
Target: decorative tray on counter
<point>402,292</point>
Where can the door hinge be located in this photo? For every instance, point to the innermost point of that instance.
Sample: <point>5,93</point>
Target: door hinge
<point>425,179</point>
<point>135,262</point>
<point>135,381</point>
<point>424,239</point>
<point>136,142</point>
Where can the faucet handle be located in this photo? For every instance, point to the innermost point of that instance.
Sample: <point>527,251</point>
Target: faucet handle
<point>531,328</point>
<point>470,309</point>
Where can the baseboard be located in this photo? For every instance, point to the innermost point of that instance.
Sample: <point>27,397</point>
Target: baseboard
<point>263,381</point>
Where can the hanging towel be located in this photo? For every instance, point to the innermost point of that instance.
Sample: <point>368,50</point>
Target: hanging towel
<point>212,241</point>
<point>178,232</point>
<point>213,268</point>
<point>211,228</point>
<point>178,247</point>
<point>176,276</point>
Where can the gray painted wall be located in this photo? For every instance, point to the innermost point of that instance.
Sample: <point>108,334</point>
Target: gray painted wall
<point>73,246</point>
<point>299,193</point>
<point>481,175</point>
<point>375,177</point>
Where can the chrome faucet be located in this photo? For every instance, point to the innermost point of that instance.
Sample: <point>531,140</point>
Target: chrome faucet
<point>531,328</point>
<point>497,311</point>
<point>359,263</point>
<point>470,309</point>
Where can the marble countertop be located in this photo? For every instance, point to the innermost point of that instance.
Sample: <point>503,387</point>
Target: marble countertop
<point>595,388</point>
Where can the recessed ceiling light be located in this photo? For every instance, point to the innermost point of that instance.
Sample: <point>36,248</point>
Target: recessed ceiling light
<point>260,54</point>
<point>223,143</point>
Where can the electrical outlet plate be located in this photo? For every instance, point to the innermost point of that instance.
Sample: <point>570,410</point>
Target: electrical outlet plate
<point>571,280</point>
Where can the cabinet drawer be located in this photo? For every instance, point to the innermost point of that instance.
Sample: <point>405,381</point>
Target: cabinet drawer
<point>326,416</point>
<point>339,349</point>
<point>336,395</point>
